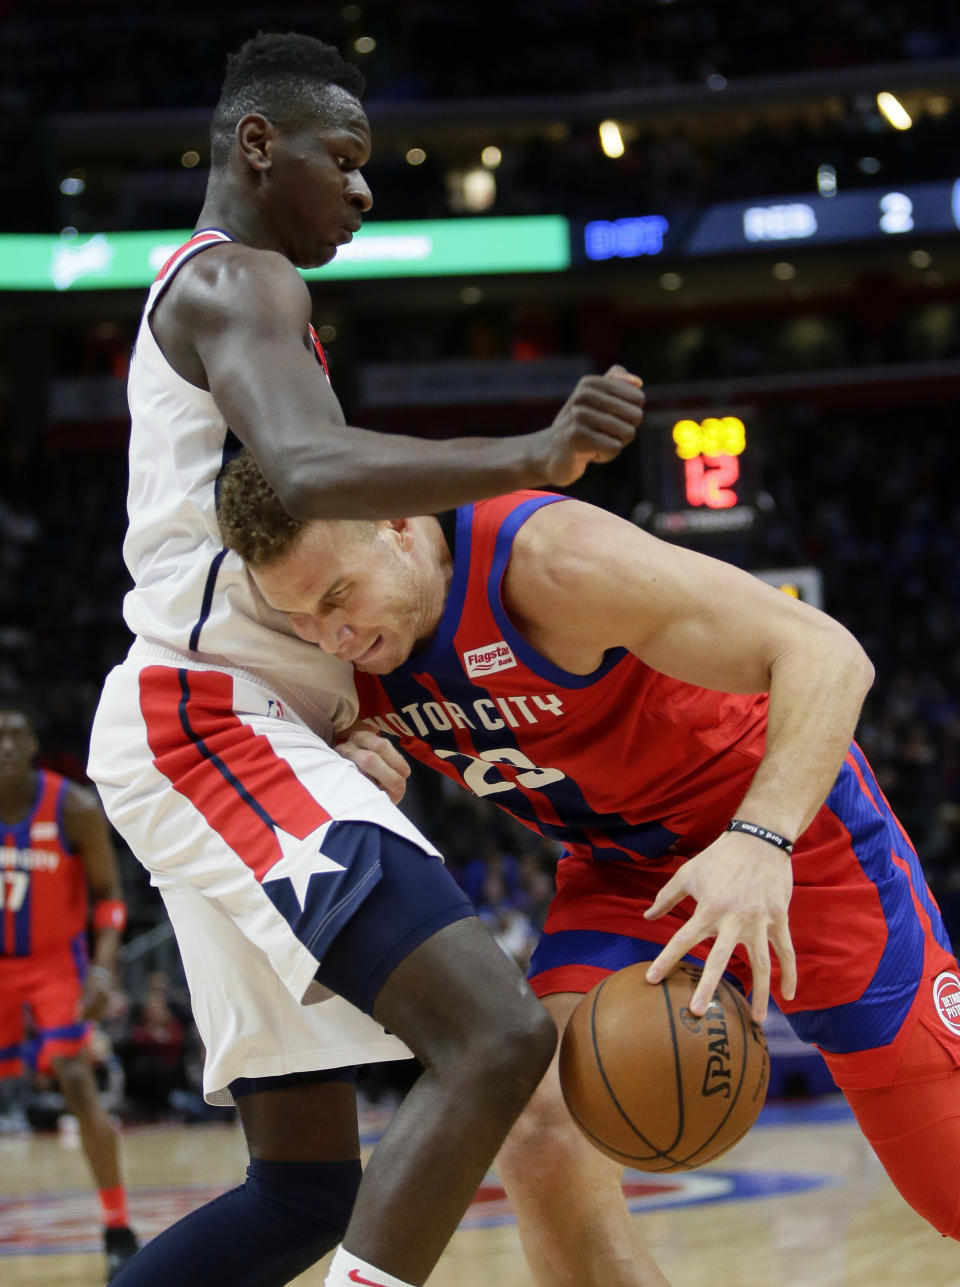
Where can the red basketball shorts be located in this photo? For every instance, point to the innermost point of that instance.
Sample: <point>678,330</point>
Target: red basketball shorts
<point>46,990</point>
<point>868,936</point>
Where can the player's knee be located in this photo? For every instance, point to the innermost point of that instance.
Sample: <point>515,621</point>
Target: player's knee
<point>926,1171</point>
<point>512,1059</point>
<point>940,1209</point>
<point>915,1131</point>
<point>75,1078</point>
<point>544,1143</point>
<point>539,1144</point>
<point>953,1230</point>
<point>939,1206</point>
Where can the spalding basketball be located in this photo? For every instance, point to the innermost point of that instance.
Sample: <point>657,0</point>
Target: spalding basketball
<point>654,1086</point>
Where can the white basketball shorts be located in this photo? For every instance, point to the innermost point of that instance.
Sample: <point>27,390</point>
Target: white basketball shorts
<point>230,801</point>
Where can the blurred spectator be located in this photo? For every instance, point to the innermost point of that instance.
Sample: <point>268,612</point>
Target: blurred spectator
<point>494,871</point>
<point>156,1047</point>
<point>510,926</point>
<point>54,57</point>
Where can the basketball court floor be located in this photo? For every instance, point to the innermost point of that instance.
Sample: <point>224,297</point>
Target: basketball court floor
<point>801,1202</point>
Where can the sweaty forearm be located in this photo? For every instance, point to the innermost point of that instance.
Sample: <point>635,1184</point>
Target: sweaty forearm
<point>356,473</point>
<point>815,702</point>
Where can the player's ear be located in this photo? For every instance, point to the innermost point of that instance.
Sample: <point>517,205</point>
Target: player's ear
<point>255,136</point>
<point>403,527</point>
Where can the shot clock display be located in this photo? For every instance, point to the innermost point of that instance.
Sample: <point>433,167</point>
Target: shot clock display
<point>700,475</point>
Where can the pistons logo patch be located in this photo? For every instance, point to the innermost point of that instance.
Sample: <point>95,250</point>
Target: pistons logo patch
<point>946,997</point>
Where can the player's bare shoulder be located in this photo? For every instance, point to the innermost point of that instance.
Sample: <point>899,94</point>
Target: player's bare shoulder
<point>582,581</point>
<point>551,582</point>
<point>561,548</point>
<point>229,276</point>
<point>228,288</point>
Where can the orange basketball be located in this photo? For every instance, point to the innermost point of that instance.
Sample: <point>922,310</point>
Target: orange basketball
<point>652,1085</point>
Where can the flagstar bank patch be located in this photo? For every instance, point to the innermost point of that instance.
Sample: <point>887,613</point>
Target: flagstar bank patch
<point>489,658</point>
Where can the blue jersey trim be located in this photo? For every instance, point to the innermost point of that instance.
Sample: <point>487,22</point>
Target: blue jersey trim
<point>232,447</point>
<point>207,602</point>
<point>28,817</point>
<point>602,949</point>
<point>908,854</point>
<point>61,799</point>
<point>80,954</point>
<point>68,1032</point>
<point>21,835</point>
<point>532,659</point>
<point>432,657</point>
<point>875,1017</point>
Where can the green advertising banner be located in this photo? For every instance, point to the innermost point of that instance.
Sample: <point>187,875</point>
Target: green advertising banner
<point>429,248</point>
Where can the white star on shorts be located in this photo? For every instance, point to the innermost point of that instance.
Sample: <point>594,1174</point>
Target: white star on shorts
<point>298,864</point>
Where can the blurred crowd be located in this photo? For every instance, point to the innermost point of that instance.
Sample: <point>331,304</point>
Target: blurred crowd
<point>666,167</point>
<point>883,323</point>
<point>53,54</point>
<point>540,58</point>
<point>669,166</point>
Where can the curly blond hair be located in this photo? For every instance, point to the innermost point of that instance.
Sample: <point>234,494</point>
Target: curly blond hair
<point>252,519</point>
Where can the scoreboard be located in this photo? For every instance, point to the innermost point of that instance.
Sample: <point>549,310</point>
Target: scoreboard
<point>701,482</point>
<point>701,475</point>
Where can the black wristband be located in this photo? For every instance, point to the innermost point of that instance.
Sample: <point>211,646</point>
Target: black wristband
<point>761,833</point>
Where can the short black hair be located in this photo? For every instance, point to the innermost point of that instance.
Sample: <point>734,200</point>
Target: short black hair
<point>285,76</point>
<point>25,709</point>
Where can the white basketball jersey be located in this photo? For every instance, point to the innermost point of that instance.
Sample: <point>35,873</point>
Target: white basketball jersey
<point>192,596</point>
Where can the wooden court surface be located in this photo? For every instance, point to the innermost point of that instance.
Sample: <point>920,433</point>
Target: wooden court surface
<point>801,1202</point>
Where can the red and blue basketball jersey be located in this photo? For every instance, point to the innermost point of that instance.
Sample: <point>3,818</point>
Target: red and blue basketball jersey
<point>633,772</point>
<point>618,764</point>
<point>43,886</point>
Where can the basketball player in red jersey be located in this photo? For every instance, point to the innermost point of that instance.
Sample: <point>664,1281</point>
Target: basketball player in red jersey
<point>318,929</point>
<point>56,857</point>
<point>685,730</point>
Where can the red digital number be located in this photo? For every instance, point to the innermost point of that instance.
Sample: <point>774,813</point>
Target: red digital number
<point>709,481</point>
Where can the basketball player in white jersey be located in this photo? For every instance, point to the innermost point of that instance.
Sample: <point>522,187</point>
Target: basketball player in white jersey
<point>311,916</point>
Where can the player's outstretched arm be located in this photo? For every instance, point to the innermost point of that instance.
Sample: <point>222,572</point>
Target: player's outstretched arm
<point>247,313</point>
<point>581,581</point>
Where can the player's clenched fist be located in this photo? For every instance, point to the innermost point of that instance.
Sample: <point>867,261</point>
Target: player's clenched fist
<point>594,424</point>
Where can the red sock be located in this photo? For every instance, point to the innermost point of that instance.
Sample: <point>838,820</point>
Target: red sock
<point>114,1203</point>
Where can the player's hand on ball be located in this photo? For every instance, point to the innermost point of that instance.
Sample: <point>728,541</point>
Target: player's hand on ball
<point>377,759</point>
<point>594,424</point>
<point>742,887</point>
